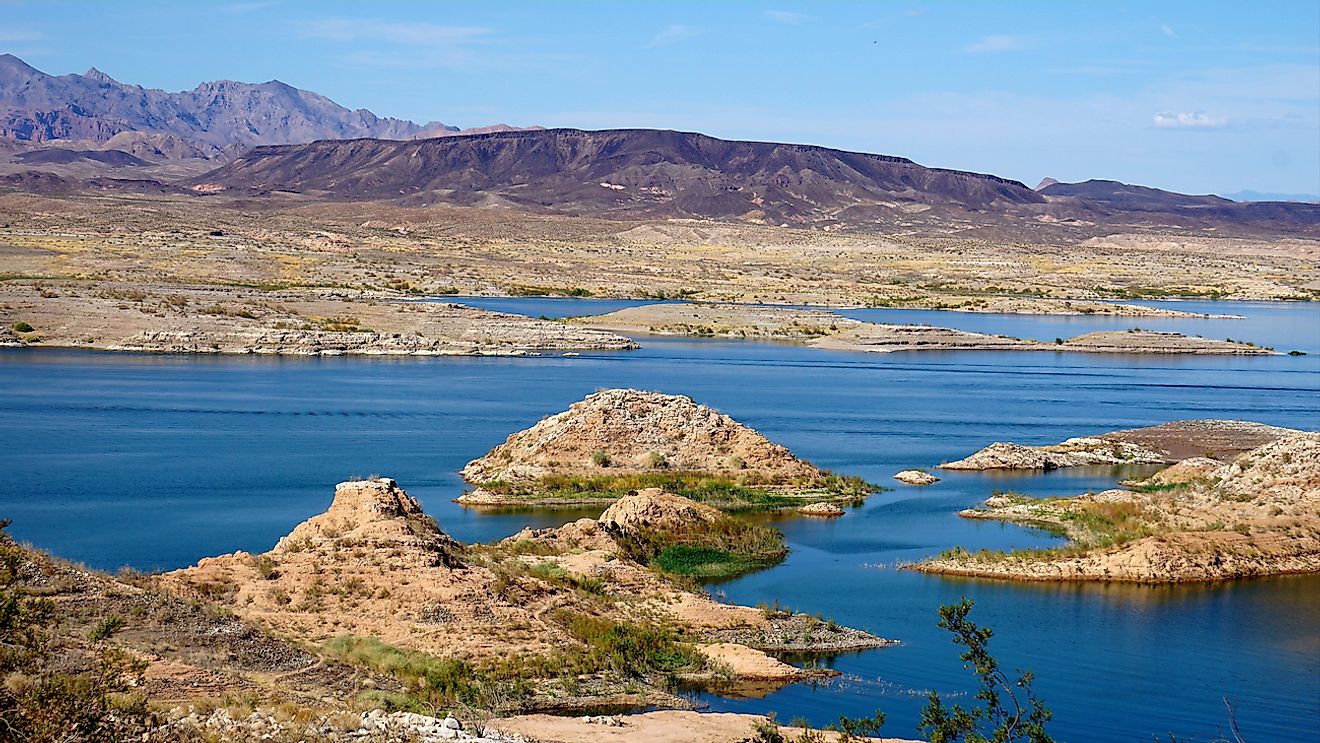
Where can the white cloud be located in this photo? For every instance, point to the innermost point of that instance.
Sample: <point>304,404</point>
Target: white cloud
<point>1189,120</point>
<point>673,35</point>
<point>12,36</point>
<point>1168,30</point>
<point>995,43</point>
<point>345,29</point>
<point>787,16</point>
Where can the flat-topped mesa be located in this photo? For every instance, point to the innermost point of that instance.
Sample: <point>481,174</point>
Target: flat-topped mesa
<point>721,319</point>
<point>1162,444</point>
<point>1197,520</point>
<point>618,441</point>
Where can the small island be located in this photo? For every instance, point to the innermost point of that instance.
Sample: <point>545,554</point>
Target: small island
<point>616,442</point>
<point>829,330</point>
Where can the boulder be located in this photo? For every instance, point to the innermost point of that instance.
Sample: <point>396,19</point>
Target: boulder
<point>916,477</point>
<point>828,510</point>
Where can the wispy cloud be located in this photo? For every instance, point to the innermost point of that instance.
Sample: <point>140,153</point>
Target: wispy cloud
<point>1189,120</point>
<point>1168,31</point>
<point>252,7</point>
<point>430,34</point>
<point>995,43</point>
<point>12,36</point>
<point>673,34</point>
<point>787,16</point>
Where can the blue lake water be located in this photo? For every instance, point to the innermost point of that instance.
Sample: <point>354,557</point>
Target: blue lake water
<point>157,460</point>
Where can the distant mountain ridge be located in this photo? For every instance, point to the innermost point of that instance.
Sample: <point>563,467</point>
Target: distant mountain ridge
<point>63,133</point>
<point>1304,198</point>
<point>37,107</point>
<point>644,171</point>
<point>667,174</point>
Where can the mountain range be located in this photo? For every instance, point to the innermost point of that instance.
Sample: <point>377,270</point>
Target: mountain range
<point>667,174</point>
<point>214,116</point>
<point>63,133</point>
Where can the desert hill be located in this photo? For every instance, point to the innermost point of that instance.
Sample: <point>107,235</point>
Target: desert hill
<point>648,173</point>
<point>616,442</point>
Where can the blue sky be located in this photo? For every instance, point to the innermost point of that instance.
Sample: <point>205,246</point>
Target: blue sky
<point>1191,96</point>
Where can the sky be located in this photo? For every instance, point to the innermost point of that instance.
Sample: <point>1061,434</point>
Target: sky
<point>1197,97</point>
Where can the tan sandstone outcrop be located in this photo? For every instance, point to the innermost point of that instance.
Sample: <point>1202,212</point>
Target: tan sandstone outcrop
<point>653,509</point>
<point>375,565</point>
<point>622,431</point>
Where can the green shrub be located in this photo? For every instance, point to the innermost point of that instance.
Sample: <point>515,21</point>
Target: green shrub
<point>706,549</point>
<point>632,650</point>
<point>22,327</point>
<point>105,629</point>
<point>45,696</point>
<point>1003,717</point>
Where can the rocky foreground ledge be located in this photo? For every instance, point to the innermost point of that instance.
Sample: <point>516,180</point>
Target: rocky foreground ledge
<point>1200,520</point>
<point>618,441</point>
<point>373,582</point>
<point>369,610</point>
<point>237,320</point>
<point>829,330</point>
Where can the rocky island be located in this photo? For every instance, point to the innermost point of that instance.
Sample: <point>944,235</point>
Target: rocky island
<point>1199,520</point>
<point>618,441</point>
<point>825,329</point>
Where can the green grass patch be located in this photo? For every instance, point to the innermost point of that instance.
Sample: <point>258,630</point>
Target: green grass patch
<point>632,650</point>
<point>706,550</point>
<point>1161,487</point>
<point>731,492</point>
<point>704,562</point>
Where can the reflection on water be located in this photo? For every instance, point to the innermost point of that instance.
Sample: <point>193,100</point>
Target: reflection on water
<point>155,461</point>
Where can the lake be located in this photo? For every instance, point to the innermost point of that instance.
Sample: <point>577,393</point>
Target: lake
<point>154,461</point>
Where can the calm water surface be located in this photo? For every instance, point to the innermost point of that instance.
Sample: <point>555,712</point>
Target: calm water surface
<point>156,461</point>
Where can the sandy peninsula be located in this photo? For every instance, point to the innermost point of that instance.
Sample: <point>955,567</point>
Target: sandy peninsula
<point>1201,519</point>
<point>238,320</point>
<point>1165,443</point>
